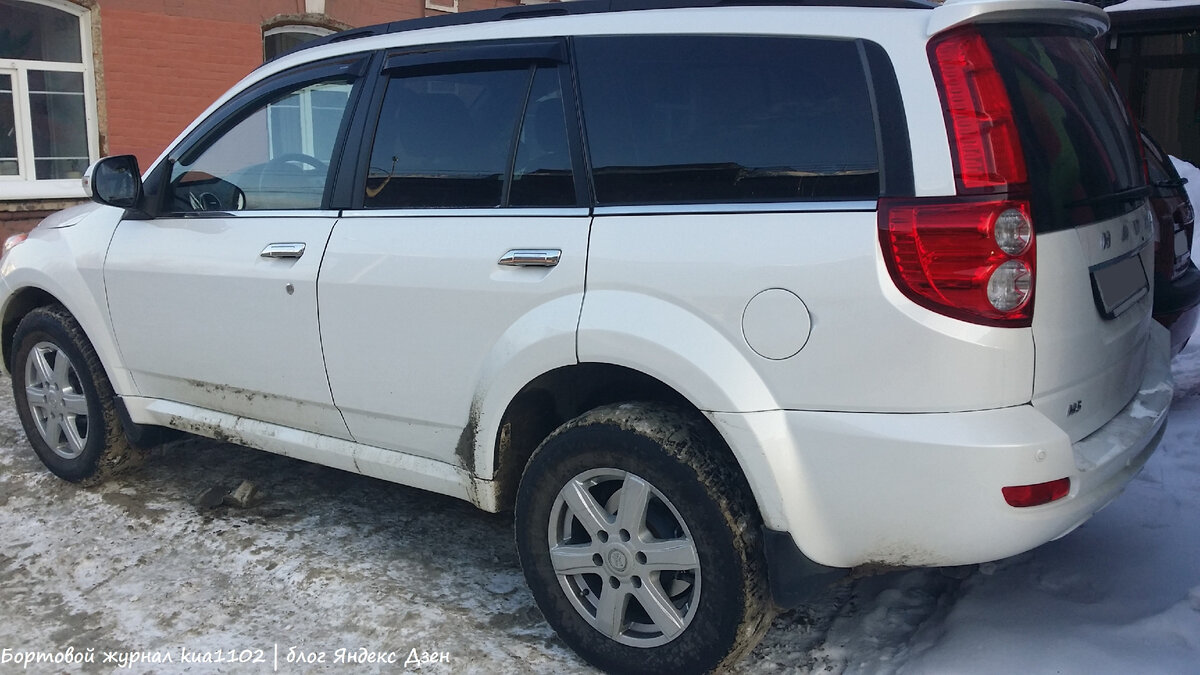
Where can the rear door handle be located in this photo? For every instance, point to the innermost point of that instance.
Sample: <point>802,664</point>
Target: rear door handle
<point>531,257</point>
<point>292,249</point>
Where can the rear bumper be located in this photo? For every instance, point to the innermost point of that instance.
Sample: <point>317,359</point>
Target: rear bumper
<point>925,489</point>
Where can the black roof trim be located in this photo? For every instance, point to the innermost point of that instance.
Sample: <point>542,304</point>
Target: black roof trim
<point>590,7</point>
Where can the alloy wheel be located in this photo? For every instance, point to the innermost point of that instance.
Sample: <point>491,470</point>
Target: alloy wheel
<point>624,557</point>
<point>56,400</point>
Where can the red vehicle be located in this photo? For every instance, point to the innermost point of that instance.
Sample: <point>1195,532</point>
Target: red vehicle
<point>1176,279</point>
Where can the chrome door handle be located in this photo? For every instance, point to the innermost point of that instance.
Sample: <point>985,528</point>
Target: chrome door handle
<point>283,250</point>
<point>525,257</point>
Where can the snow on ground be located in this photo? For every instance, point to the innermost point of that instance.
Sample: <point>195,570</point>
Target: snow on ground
<point>332,561</point>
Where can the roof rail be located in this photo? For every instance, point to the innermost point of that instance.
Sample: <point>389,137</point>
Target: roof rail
<point>587,7</point>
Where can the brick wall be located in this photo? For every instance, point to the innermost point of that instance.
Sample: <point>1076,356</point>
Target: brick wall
<point>162,71</point>
<point>166,61</point>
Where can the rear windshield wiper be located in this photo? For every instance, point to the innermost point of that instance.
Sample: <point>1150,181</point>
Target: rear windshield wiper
<point>1120,196</point>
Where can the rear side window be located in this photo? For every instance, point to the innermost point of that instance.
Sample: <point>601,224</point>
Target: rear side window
<point>1076,132</point>
<point>708,119</point>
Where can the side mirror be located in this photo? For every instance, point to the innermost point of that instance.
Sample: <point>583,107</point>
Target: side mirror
<point>114,181</point>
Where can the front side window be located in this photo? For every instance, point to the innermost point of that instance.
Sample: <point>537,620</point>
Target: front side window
<point>709,119</point>
<point>474,139</point>
<point>47,123</point>
<point>276,156</point>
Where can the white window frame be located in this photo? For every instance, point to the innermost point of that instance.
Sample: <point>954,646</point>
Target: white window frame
<point>25,185</point>
<point>304,28</point>
<point>451,6</point>
<point>299,28</point>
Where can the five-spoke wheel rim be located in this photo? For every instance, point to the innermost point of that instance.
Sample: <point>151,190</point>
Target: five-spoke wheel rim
<point>56,400</point>
<point>624,557</point>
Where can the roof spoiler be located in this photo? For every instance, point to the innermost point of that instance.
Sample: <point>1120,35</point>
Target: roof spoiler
<point>959,12</point>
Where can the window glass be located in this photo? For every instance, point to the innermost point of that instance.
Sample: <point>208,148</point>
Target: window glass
<point>1156,168</point>
<point>8,128</point>
<point>37,33</point>
<point>59,119</point>
<point>1078,138</point>
<point>277,157</point>
<point>542,172</point>
<point>445,139</point>
<point>675,119</point>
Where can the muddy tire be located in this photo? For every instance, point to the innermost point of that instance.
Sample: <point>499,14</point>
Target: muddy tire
<point>65,400</point>
<point>641,543</point>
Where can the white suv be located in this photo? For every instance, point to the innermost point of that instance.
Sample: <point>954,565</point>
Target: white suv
<point>719,300</point>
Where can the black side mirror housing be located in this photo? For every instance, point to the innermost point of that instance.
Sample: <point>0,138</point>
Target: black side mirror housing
<point>114,181</point>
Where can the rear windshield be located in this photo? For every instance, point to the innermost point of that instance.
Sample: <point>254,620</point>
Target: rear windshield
<point>703,119</point>
<point>1079,141</point>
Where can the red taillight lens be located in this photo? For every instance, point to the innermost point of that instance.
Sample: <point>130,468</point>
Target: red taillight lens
<point>986,148</point>
<point>971,256</point>
<point>1022,496</point>
<point>972,260</point>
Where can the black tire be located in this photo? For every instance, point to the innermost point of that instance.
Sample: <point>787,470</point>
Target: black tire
<point>670,462</point>
<point>65,400</point>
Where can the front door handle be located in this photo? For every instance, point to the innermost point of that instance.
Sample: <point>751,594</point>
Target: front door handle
<point>292,249</point>
<point>531,257</point>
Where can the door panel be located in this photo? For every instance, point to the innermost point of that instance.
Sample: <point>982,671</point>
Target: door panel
<point>214,302</point>
<point>417,311</point>
<point>203,318</point>
<point>459,270</point>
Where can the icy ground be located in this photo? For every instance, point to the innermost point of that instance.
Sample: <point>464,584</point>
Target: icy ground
<point>331,561</point>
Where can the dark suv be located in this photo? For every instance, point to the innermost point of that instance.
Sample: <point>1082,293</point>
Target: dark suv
<point>1176,279</point>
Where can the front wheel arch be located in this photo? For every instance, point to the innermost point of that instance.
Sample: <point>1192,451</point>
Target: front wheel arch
<point>21,303</point>
<point>65,400</point>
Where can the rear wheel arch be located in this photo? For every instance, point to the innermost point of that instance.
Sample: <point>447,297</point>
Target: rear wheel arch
<point>563,394</point>
<point>695,502</point>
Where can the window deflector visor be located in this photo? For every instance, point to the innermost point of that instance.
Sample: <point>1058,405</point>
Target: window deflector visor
<point>552,51</point>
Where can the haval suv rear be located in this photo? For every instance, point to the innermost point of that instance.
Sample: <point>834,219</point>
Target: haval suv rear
<point>719,300</point>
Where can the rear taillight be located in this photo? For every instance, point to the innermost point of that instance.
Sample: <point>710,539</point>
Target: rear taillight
<point>979,117</point>
<point>970,256</point>
<point>972,260</point>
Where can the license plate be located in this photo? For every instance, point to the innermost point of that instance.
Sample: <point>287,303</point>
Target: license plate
<point>1118,284</point>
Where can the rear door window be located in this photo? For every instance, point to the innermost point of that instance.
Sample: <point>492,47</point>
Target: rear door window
<point>710,119</point>
<point>1076,131</point>
<point>471,136</point>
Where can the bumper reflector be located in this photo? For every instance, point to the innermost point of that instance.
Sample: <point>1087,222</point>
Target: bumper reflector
<point>1022,496</point>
